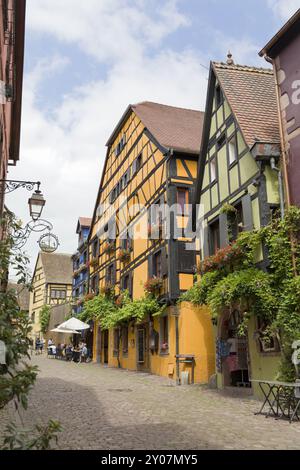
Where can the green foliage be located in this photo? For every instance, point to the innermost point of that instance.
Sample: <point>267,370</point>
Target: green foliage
<point>17,376</point>
<point>109,315</point>
<point>248,290</point>
<point>274,295</point>
<point>38,438</point>
<point>45,313</point>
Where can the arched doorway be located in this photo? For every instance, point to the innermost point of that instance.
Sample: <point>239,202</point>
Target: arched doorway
<point>233,359</point>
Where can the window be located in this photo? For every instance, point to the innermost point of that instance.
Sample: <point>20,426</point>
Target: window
<point>95,249</point>
<point>139,161</point>
<point>110,274</point>
<point>57,294</point>
<point>126,282</point>
<point>34,297</point>
<point>157,271</point>
<point>214,237</point>
<point>219,96</point>
<point>221,141</point>
<point>94,284</point>
<point>33,317</point>
<point>266,343</point>
<point>232,150</point>
<point>164,335</point>
<point>213,169</point>
<point>182,200</point>
<point>125,340</point>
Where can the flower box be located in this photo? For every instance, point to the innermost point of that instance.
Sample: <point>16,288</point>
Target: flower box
<point>109,247</point>
<point>153,285</point>
<point>224,258</point>
<point>94,263</point>
<point>124,256</point>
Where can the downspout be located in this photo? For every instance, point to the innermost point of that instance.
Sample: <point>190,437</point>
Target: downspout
<point>280,186</point>
<point>282,140</point>
<point>283,153</point>
<point>171,152</point>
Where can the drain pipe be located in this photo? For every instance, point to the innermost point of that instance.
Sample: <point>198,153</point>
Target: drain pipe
<point>280,186</point>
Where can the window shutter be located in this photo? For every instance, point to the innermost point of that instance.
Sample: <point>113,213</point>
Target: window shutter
<point>130,287</point>
<point>134,164</point>
<point>223,224</point>
<point>205,247</point>
<point>247,212</point>
<point>150,266</point>
<point>164,262</point>
<point>186,257</point>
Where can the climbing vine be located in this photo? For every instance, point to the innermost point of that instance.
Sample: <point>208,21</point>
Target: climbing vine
<point>110,313</point>
<point>231,279</point>
<point>45,313</point>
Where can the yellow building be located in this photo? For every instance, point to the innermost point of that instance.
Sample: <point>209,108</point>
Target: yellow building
<point>238,164</point>
<point>51,285</point>
<point>151,164</point>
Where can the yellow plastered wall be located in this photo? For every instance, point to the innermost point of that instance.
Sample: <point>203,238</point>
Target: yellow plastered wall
<point>195,337</point>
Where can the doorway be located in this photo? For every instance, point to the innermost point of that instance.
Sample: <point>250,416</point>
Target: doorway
<point>142,350</point>
<point>234,352</point>
<point>105,342</point>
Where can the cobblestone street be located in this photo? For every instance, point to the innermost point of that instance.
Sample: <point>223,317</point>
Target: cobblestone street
<point>102,408</point>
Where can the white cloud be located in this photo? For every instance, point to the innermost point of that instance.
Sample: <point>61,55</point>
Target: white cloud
<point>64,147</point>
<point>284,8</point>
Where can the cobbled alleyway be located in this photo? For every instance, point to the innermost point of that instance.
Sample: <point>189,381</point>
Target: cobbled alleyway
<point>103,408</point>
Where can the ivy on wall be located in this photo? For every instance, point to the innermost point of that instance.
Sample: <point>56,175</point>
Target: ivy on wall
<point>45,313</point>
<point>110,313</point>
<point>231,280</point>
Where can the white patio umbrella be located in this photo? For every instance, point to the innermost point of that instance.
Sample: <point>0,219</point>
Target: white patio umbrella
<point>65,331</point>
<point>73,324</point>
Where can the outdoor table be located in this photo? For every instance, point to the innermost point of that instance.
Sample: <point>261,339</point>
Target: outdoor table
<point>282,398</point>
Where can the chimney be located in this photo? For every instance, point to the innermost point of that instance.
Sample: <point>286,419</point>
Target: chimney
<point>230,60</point>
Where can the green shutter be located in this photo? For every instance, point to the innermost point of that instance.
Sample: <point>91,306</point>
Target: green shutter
<point>223,225</point>
<point>247,212</point>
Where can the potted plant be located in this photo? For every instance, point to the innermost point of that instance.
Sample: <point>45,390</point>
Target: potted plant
<point>124,256</point>
<point>109,247</point>
<point>106,290</point>
<point>94,262</point>
<point>153,285</point>
<point>164,347</point>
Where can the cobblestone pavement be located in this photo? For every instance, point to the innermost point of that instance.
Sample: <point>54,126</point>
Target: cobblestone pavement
<point>103,408</point>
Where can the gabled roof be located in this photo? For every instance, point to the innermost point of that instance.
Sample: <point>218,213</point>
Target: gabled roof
<point>251,94</point>
<point>84,222</point>
<point>176,128</point>
<point>58,267</point>
<point>22,294</point>
<point>286,34</point>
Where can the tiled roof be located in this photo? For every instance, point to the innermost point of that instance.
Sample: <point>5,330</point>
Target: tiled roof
<point>58,267</point>
<point>176,128</point>
<point>22,294</point>
<point>250,92</point>
<point>85,221</point>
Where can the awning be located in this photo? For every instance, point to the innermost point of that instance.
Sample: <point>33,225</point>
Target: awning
<point>65,331</point>
<point>73,324</point>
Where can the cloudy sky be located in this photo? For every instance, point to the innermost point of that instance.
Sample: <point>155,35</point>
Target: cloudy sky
<point>86,61</point>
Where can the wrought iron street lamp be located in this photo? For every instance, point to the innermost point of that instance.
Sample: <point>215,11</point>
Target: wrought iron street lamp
<point>36,204</point>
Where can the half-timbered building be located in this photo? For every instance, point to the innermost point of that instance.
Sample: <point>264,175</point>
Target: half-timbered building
<point>238,167</point>
<point>151,164</point>
<point>51,285</point>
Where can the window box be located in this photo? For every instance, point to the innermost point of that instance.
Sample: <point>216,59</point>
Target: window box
<point>109,247</point>
<point>153,285</point>
<point>124,256</point>
<point>94,263</point>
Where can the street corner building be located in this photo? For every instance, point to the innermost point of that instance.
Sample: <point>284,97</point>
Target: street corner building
<point>151,163</point>
<point>12,38</point>
<point>51,285</point>
<point>238,172</point>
